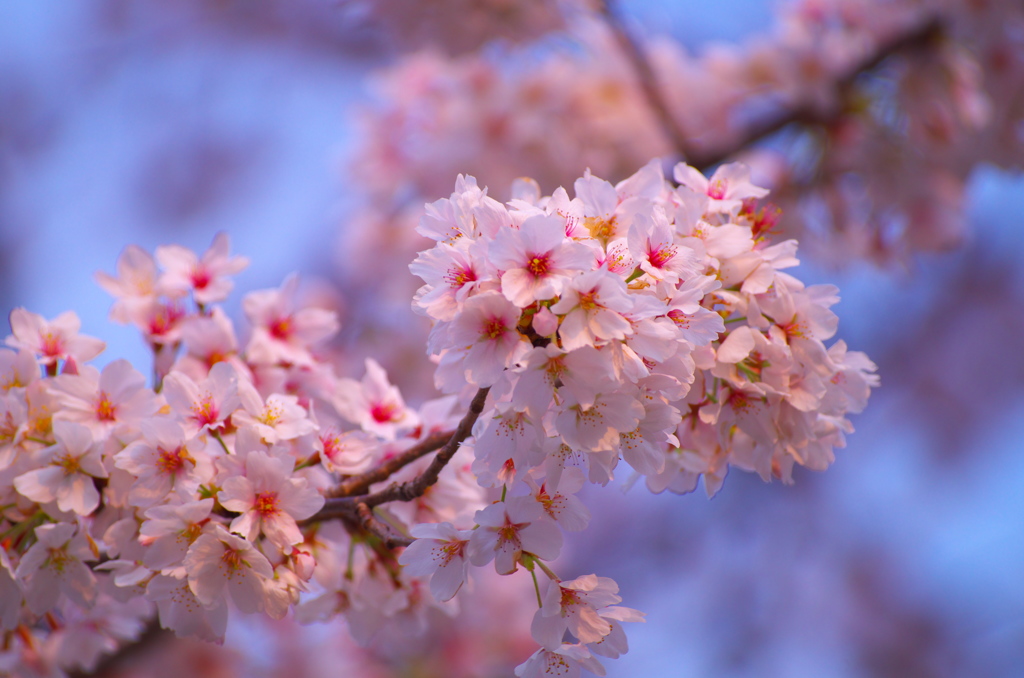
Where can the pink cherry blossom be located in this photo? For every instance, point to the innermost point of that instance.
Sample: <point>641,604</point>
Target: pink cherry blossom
<point>205,277</point>
<point>220,563</point>
<point>280,332</point>
<point>269,500</point>
<point>66,471</point>
<point>536,259</point>
<point>52,340</point>
<point>508,530</point>
<point>486,327</point>
<point>439,552</point>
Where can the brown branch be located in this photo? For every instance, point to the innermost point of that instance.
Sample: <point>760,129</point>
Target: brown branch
<point>916,38</point>
<point>359,484</point>
<point>350,509</point>
<point>151,636</point>
<point>645,77</point>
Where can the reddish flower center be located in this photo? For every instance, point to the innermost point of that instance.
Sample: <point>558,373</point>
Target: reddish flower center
<point>170,462</point>
<point>538,265</point>
<point>384,412</point>
<point>716,190</point>
<point>266,503</point>
<point>51,345</point>
<point>205,411</point>
<point>105,409</point>
<point>494,328</point>
<point>458,276</point>
<point>662,255</point>
<point>281,328</point>
<point>201,277</point>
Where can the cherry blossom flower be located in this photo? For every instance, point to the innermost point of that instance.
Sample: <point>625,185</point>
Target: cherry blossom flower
<point>486,327</point>
<point>168,532</point>
<point>205,277</point>
<point>565,661</point>
<point>136,284</point>
<point>374,403</point>
<point>54,566</point>
<point>593,304</point>
<point>279,418</point>
<point>536,259</point>
<point>206,405</point>
<point>269,500</point>
<point>218,562</point>
<point>439,552</point>
<point>103,400</point>
<point>162,463</point>
<point>281,333</point>
<point>66,472</point>
<point>509,529</point>
<point>52,340</point>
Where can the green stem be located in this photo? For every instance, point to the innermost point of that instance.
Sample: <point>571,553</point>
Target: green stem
<point>216,434</point>
<point>634,275</point>
<point>536,587</point>
<point>547,570</point>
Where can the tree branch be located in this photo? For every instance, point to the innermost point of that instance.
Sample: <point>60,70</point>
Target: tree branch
<point>359,484</point>
<point>646,78</point>
<point>357,508</point>
<point>915,38</point>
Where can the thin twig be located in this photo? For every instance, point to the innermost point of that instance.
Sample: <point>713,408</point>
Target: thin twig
<point>348,508</point>
<point>645,76</point>
<point>151,636</point>
<point>916,38</point>
<point>359,484</point>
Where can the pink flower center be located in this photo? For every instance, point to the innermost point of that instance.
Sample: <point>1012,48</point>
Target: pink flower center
<point>679,318</point>
<point>266,504</point>
<point>662,255</point>
<point>332,445</point>
<point>716,189</point>
<point>169,462</point>
<point>509,532</point>
<point>201,277</point>
<point>105,409</point>
<point>165,319</point>
<point>52,345</point>
<point>459,276</point>
<point>494,329</point>
<point>449,550</point>
<point>281,328</point>
<point>538,265</point>
<point>205,411</point>
<point>384,412</point>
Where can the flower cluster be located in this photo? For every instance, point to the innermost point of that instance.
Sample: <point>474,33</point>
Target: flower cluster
<point>892,105</point>
<point>643,322</point>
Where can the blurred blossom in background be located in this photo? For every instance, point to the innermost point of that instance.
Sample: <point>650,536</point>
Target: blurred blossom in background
<point>155,123</point>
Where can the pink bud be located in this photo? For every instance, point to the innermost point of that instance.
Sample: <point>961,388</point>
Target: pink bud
<point>545,323</point>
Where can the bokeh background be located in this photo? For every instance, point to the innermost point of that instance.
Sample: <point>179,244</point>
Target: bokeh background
<point>151,123</point>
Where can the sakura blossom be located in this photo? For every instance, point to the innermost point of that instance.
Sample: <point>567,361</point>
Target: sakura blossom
<point>52,340</point>
<point>261,480</point>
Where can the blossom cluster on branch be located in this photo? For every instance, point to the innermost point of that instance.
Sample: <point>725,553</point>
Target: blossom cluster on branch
<point>643,322</point>
<point>865,117</point>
